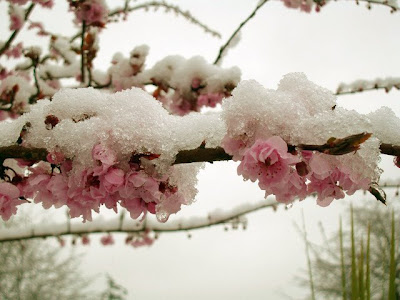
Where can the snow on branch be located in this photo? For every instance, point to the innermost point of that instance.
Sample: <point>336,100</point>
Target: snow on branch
<point>117,144</point>
<point>120,224</point>
<point>361,85</point>
<point>168,7</point>
<point>332,147</point>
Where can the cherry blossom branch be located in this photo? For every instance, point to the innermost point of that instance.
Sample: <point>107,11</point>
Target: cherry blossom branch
<point>332,147</point>
<point>156,4</point>
<point>223,47</point>
<point>15,32</point>
<point>359,86</point>
<point>122,225</point>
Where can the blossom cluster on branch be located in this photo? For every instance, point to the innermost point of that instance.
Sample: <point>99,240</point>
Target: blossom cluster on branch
<point>112,141</point>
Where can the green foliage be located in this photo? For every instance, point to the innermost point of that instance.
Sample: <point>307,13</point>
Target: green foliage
<point>348,268</point>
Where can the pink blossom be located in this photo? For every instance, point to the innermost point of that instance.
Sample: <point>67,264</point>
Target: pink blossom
<point>85,194</point>
<point>19,2</point>
<point>143,239</point>
<point>35,186</point>
<point>107,240</point>
<point>268,161</point>
<point>15,51</point>
<point>16,17</point>
<point>210,100</point>
<point>196,83</point>
<point>331,182</point>
<point>4,73</point>
<point>85,240</point>
<point>55,157</point>
<point>113,180</point>
<point>293,187</point>
<point>396,161</point>
<point>327,189</point>
<point>9,199</point>
<point>93,12</point>
<point>235,147</point>
<point>44,3</point>
<point>61,241</point>
<point>16,22</point>
<point>58,187</point>
<point>38,25</point>
<point>104,155</point>
<point>304,5</point>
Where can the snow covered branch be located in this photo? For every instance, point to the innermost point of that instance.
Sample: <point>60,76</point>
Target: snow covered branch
<point>341,146</point>
<point>168,7</point>
<point>120,224</point>
<point>360,85</point>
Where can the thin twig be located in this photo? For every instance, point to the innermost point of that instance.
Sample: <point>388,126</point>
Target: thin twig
<point>83,52</point>
<point>167,6</point>
<point>101,226</point>
<point>385,3</point>
<point>223,47</point>
<point>15,32</point>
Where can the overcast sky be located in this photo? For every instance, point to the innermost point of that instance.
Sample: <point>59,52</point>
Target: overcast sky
<point>342,43</point>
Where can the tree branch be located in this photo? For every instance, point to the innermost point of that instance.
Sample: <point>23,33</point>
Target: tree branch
<point>332,147</point>
<point>133,226</point>
<point>174,8</point>
<point>83,51</point>
<point>15,32</point>
<point>384,2</point>
<point>361,85</point>
<point>223,47</point>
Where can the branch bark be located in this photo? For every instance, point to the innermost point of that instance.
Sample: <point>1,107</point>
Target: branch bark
<point>210,155</point>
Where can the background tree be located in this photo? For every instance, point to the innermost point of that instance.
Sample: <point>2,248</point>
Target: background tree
<point>326,265</point>
<point>39,269</point>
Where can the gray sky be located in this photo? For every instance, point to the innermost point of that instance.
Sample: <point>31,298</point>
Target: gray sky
<point>342,43</point>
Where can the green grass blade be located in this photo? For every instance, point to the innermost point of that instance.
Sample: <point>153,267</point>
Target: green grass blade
<point>361,288</point>
<point>368,271</point>
<point>308,257</point>
<point>344,292</point>
<point>354,281</point>
<point>392,274</point>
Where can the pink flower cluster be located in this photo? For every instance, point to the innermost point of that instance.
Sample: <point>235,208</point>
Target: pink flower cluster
<point>9,199</point>
<point>16,18</point>
<point>56,183</point>
<point>93,12</point>
<point>15,51</point>
<point>184,103</point>
<point>140,239</point>
<point>304,5</point>
<point>290,175</point>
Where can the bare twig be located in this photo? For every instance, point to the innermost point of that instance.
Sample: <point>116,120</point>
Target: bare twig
<point>15,32</point>
<point>83,51</point>
<point>223,47</point>
<point>379,2</point>
<point>132,226</point>
<point>360,86</point>
<point>176,9</point>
